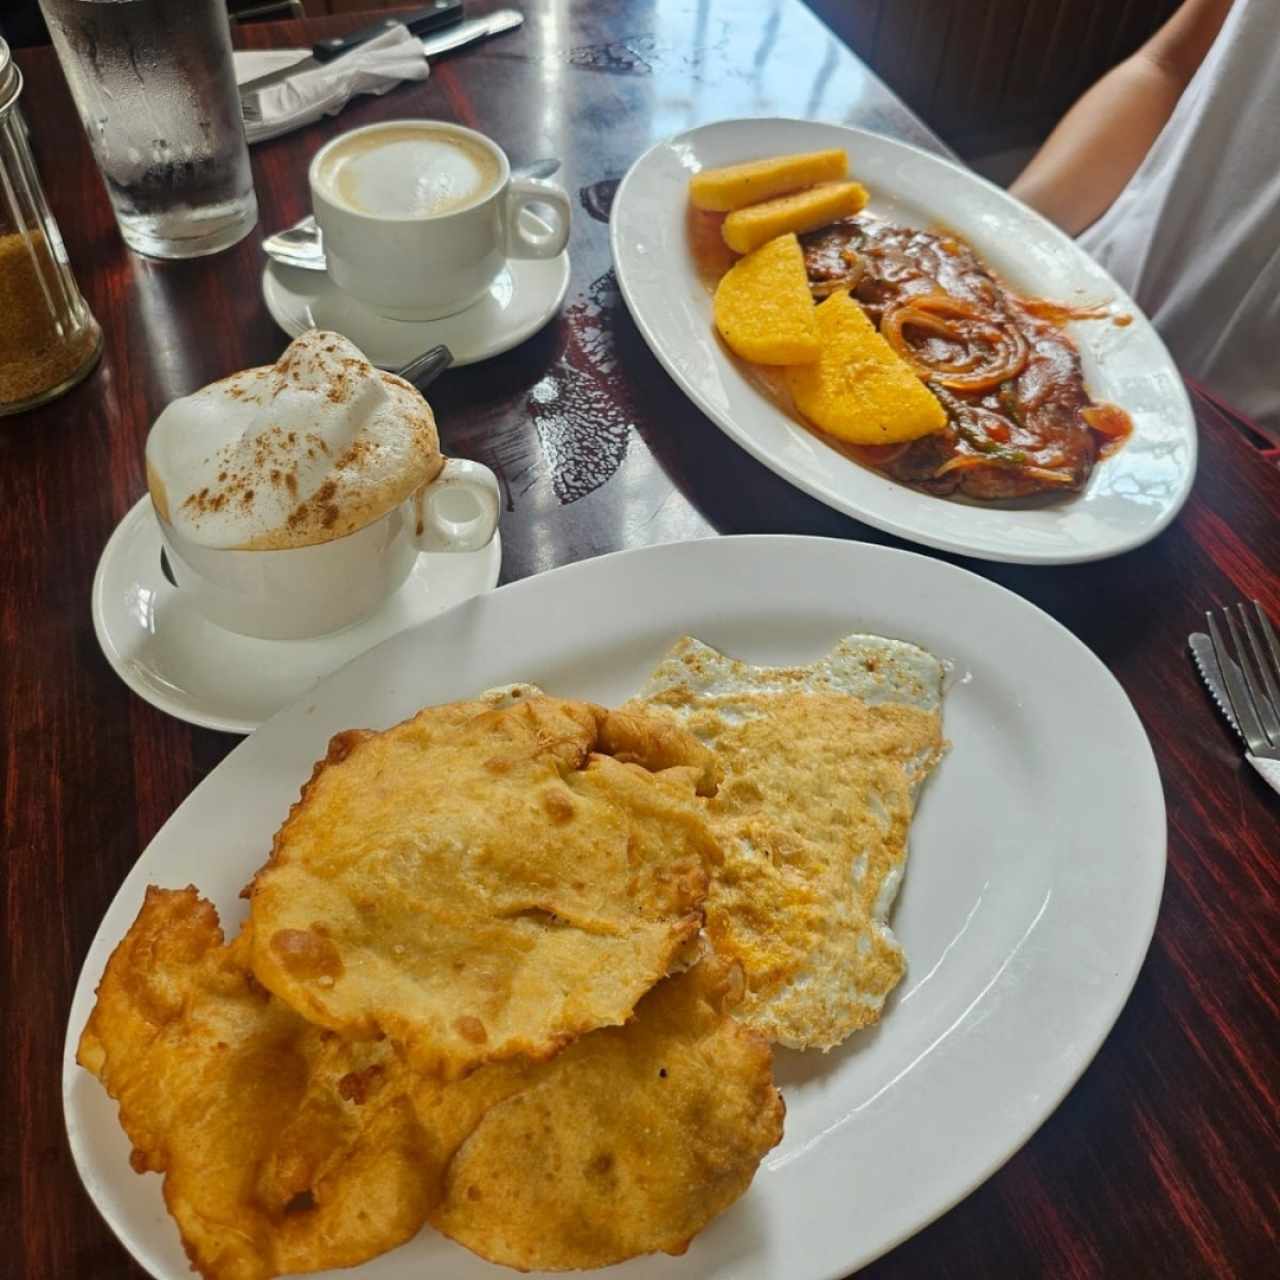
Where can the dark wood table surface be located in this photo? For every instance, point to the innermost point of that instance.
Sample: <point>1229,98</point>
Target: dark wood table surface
<point>1162,1160</point>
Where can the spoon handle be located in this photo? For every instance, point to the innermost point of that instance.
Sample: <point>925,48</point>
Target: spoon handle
<point>423,370</point>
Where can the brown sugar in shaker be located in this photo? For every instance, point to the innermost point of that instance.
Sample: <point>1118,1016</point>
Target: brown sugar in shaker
<point>49,340</point>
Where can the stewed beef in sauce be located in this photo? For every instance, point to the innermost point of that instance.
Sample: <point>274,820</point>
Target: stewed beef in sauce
<point>1010,381</point>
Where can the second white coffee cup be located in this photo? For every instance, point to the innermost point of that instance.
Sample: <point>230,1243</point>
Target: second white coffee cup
<point>401,256</point>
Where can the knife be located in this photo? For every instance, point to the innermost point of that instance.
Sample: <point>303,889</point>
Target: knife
<point>1220,680</point>
<point>1211,673</point>
<point>492,24</point>
<point>454,37</point>
<point>438,14</point>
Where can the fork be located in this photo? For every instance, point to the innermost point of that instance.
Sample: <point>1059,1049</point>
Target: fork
<point>1252,678</point>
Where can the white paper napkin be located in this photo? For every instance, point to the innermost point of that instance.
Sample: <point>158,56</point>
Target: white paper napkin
<point>252,63</point>
<point>1270,770</point>
<point>380,64</point>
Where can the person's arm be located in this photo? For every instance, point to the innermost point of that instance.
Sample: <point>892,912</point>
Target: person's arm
<point>1099,144</point>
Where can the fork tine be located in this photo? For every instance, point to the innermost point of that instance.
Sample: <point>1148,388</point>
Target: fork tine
<point>1267,720</point>
<point>1270,637</point>
<point>1241,704</point>
<point>1265,668</point>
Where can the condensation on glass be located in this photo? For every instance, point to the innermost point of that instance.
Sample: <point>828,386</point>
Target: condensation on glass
<point>155,85</point>
<point>48,338</point>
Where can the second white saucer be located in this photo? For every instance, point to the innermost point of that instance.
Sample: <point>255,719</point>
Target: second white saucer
<point>526,294</point>
<point>178,661</point>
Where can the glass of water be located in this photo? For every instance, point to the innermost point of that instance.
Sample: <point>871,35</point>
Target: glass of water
<point>155,87</point>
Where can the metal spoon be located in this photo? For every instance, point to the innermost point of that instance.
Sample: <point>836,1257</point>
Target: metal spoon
<point>297,246</point>
<point>301,245</point>
<point>422,371</point>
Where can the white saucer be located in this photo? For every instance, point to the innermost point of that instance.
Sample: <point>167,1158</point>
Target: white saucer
<point>177,661</point>
<point>520,301</point>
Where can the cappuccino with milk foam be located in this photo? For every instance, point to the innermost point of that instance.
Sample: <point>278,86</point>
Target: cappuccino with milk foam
<point>301,452</point>
<point>409,171</point>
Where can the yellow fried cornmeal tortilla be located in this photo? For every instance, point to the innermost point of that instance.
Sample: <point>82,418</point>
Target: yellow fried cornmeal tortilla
<point>859,388</point>
<point>285,1148</point>
<point>482,883</point>
<point>763,308</point>
<point>822,765</point>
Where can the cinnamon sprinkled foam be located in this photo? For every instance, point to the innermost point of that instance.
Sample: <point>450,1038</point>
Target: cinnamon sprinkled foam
<point>309,449</point>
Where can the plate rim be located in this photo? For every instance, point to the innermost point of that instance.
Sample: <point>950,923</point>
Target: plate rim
<point>1110,1008</point>
<point>824,494</point>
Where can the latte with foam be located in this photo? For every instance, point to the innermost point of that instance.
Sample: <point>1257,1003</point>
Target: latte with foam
<point>304,451</point>
<point>409,171</point>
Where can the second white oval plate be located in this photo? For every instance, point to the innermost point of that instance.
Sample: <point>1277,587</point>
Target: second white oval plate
<point>1130,497</point>
<point>1035,875</point>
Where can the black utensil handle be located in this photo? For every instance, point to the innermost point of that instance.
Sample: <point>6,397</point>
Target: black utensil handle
<point>438,14</point>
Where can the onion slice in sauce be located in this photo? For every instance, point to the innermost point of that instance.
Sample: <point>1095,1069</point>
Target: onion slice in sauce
<point>971,461</point>
<point>848,281</point>
<point>995,351</point>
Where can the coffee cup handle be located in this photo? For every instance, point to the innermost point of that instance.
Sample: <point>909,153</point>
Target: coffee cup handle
<point>522,242</point>
<point>459,508</point>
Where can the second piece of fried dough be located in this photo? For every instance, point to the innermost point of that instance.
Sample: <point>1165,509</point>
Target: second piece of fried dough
<point>481,883</point>
<point>287,1149</point>
<point>283,1148</point>
<point>628,1142</point>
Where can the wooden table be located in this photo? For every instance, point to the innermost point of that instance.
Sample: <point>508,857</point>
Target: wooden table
<point>1157,1162</point>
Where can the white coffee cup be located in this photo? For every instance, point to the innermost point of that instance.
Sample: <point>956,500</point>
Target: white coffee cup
<point>306,591</point>
<point>416,264</point>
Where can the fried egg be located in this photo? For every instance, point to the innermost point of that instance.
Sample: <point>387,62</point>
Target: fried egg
<point>822,767</point>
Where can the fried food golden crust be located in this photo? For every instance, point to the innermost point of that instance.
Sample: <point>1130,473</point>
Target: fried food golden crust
<point>860,389</point>
<point>821,765</point>
<point>283,1148</point>
<point>628,1142</point>
<point>480,883</point>
<point>763,308</point>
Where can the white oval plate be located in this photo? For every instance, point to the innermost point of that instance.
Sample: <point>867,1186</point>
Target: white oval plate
<point>1036,870</point>
<point>1129,499</point>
